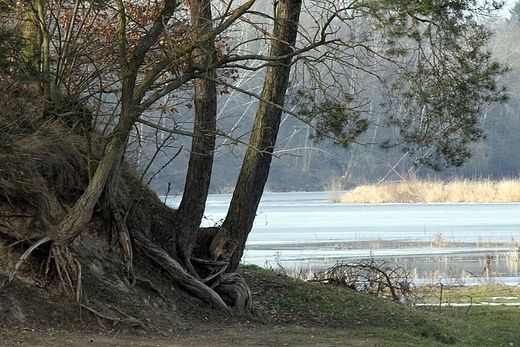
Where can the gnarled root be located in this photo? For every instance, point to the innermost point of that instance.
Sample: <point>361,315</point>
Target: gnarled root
<point>191,284</point>
<point>67,268</point>
<point>26,254</point>
<point>235,292</point>
<point>126,245</point>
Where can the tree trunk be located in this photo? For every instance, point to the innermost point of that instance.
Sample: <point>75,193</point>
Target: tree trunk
<point>45,51</point>
<point>255,167</point>
<point>81,213</point>
<point>191,210</point>
<point>77,219</point>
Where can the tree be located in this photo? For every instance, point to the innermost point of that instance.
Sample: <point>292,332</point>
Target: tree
<point>442,74</point>
<point>429,59</point>
<point>138,76</point>
<point>191,210</point>
<point>255,167</point>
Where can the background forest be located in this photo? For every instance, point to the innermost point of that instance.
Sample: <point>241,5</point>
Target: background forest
<point>303,164</point>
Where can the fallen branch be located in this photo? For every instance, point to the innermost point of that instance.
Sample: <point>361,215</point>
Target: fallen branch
<point>371,276</point>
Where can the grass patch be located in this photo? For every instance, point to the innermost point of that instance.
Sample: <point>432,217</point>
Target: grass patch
<point>485,294</point>
<point>458,190</point>
<point>335,314</point>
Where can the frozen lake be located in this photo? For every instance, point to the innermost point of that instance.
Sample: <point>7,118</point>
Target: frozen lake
<point>303,230</point>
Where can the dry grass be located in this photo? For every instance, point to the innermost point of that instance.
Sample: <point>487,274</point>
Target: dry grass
<point>42,158</point>
<point>458,190</point>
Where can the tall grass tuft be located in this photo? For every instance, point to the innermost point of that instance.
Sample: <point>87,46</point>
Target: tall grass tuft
<point>457,190</point>
<point>334,189</point>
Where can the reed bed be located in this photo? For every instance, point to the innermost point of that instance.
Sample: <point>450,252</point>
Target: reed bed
<point>428,191</point>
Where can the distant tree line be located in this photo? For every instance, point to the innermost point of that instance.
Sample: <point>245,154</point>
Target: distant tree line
<point>302,164</point>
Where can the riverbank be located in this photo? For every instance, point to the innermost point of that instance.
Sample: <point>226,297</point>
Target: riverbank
<point>294,313</point>
<point>438,260</point>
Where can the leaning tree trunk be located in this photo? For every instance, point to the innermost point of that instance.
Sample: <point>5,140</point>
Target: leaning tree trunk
<point>255,167</point>
<point>80,215</point>
<point>191,210</point>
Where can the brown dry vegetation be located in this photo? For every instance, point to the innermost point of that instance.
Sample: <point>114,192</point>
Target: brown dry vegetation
<point>43,173</point>
<point>458,190</point>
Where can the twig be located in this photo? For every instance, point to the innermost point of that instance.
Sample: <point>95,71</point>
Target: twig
<point>440,298</point>
<point>132,321</point>
<point>152,287</point>
<point>78,281</point>
<point>470,305</point>
<point>369,276</point>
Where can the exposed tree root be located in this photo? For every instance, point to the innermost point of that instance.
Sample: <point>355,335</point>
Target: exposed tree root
<point>215,246</point>
<point>235,291</point>
<point>126,245</point>
<point>68,270</point>
<point>79,286</point>
<point>26,254</point>
<point>130,321</point>
<point>213,268</point>
<point>177,272</point>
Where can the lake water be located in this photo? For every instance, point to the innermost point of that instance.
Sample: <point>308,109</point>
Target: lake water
<point>303,231</point>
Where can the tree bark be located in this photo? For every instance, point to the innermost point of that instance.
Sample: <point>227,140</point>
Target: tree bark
<point>255,167</point>
<point>191,210</point>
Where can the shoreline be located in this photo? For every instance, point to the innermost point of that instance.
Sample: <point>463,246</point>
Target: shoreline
<point>425,261</point>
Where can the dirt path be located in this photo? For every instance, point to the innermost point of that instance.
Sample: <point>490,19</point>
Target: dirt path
<point>242,336</point>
